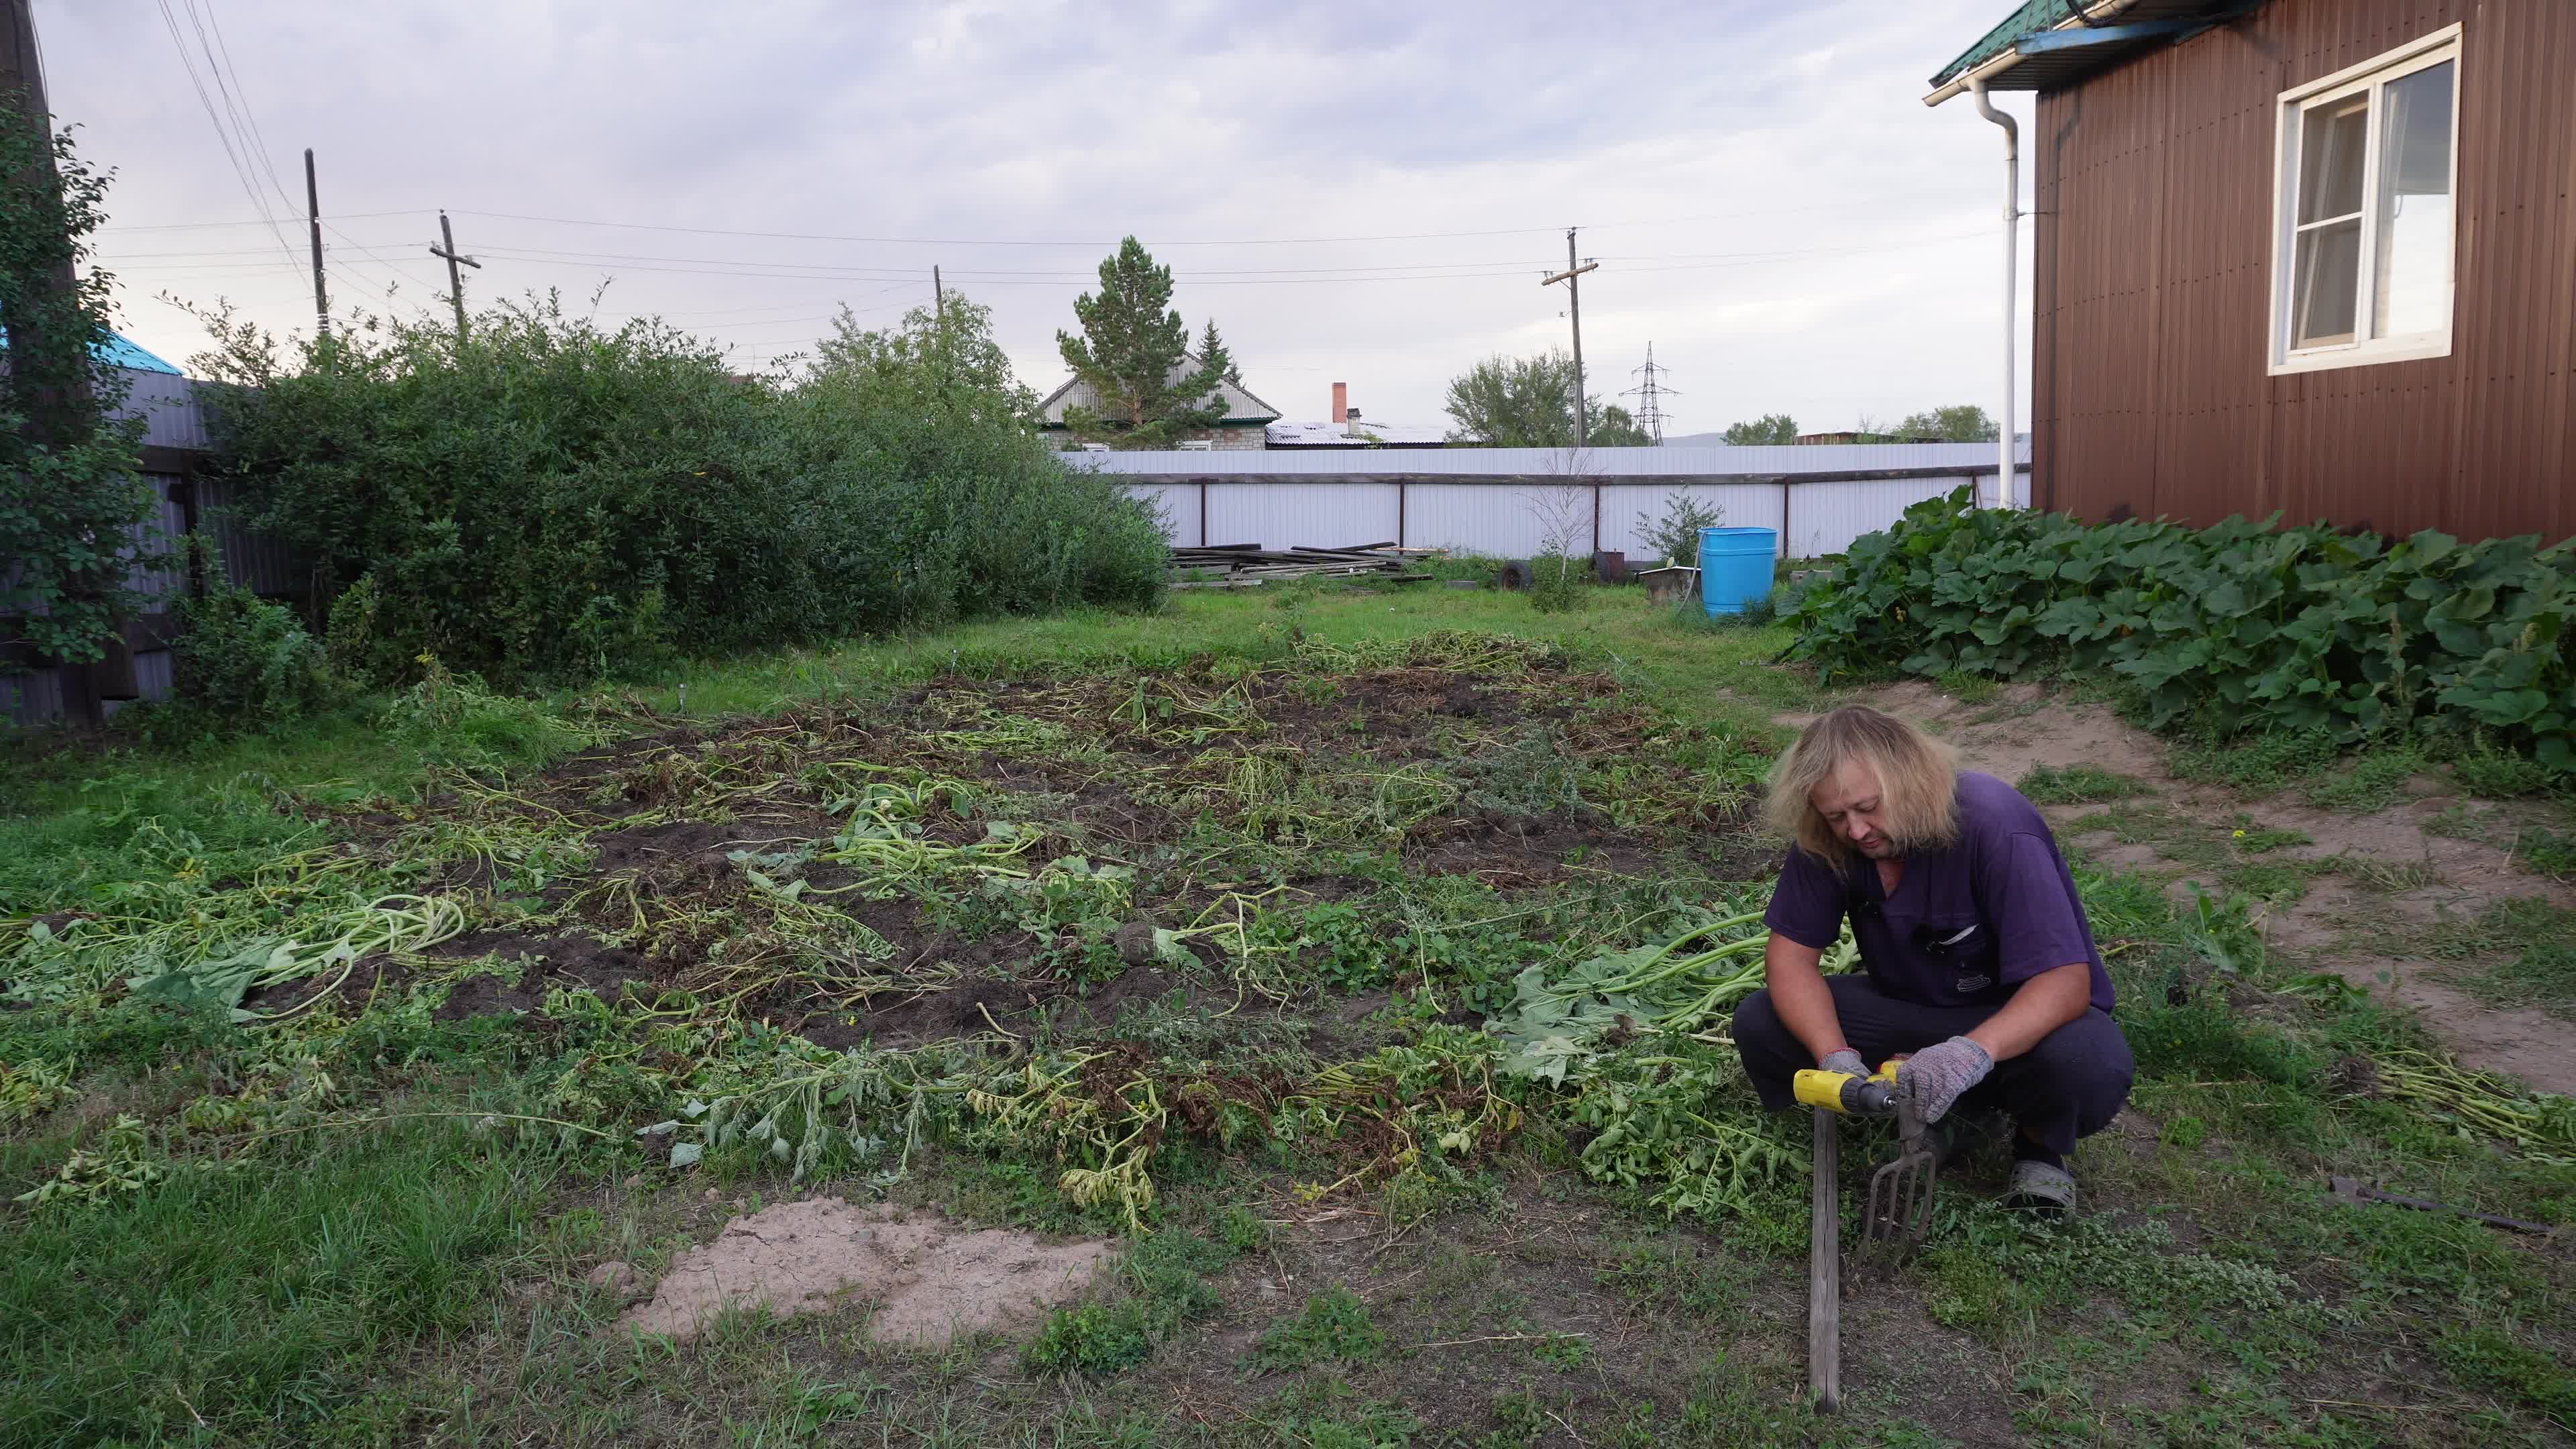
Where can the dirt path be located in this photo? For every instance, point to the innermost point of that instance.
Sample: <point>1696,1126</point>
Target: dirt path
<point>2396,878</point>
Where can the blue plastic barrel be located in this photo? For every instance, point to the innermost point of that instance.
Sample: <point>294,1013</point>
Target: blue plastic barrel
<point>1735,567</point>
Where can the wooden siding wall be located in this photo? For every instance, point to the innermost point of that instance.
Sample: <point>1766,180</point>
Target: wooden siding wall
<point>2152,283</point>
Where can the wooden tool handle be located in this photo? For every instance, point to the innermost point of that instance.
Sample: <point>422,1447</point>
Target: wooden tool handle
<point>1825,1273</point>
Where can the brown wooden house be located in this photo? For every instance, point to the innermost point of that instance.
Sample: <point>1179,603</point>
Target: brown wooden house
<point>2313,256</point>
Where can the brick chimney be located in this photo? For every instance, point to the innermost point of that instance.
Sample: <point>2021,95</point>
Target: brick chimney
<point>1341,402</point>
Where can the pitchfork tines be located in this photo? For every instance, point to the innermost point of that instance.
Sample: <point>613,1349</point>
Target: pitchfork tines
<point>1900,1193</point>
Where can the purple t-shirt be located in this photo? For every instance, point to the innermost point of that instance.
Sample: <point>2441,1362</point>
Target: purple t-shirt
<point>1967,925</point>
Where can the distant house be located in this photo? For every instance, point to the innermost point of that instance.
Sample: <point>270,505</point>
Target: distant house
<point>37,689</point>
<point>2314,256</point>
<point>1348,430</point>
<point>1245,415</point>
<point>1850,436</point>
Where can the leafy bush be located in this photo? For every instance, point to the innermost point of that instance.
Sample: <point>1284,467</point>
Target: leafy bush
<point>1556,583</point>
<point>554,498</point>
<point>1675,536</point>
<point>2236,628</point>
<point>240,660</point>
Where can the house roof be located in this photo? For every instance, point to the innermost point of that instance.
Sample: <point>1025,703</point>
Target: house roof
<point>1241,407</point>
<point>119,352</point>
<point>1357,433</point>
<point>2048,44</point>
<point>122,353</point>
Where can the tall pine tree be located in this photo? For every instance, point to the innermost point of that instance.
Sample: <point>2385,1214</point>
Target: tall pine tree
<point>1134,351</point>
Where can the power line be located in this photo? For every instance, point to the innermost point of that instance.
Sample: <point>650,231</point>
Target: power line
<point>205,225</point>
<point>236,97</point>
<point>258,203</point>
<point>1207,242</point>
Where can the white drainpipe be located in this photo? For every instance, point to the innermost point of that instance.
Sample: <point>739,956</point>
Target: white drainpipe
<point>2012,230</point>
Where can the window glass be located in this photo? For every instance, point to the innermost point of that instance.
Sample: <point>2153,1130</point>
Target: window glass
<point>2328,284</point>
<point>2412,291</point>
<point>2331,148</point>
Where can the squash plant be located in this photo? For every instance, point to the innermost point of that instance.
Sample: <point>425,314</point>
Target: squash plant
<point>2236,628</point>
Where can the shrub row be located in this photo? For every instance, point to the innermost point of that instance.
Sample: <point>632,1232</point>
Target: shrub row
<point>2233,629</point>
<point>556,498</point>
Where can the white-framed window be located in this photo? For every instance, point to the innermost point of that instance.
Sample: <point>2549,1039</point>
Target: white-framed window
<point>2365,225</point>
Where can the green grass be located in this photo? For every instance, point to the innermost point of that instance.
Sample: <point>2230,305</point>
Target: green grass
<point>2521,952</point>
<point>262,1304</point>
<point>2080,785</point>
<point>2544,851</point>
<point>1334,1326</point>
<point>419,1281</point>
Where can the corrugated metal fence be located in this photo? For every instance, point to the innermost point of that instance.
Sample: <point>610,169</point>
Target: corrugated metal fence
<point>1509,502</point>
<point>174,437</point>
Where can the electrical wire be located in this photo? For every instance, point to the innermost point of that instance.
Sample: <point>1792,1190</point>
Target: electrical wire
<point>1210,242</point>
<point>204,225</point>
<point>231,155</point>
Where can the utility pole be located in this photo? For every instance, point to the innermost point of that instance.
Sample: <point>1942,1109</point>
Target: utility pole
<point>1650,396</point>
<point>455,279</point>
<point>939,298</point>
<point>1574,307</point>
<point>313,209</point>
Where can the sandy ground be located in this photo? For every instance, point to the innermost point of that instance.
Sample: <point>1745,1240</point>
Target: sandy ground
<point>2019,729</point>
<point>928,1280</point>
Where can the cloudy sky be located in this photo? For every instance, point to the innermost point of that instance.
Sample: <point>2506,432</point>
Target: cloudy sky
<point>1357,193</point>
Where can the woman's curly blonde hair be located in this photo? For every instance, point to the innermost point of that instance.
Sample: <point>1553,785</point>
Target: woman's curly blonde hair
<point>1918,782</point>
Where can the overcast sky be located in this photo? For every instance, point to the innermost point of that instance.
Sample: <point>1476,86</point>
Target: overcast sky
<point>1366,194</point>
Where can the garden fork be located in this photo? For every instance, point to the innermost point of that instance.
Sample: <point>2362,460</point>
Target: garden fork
<point>1900,1193</point>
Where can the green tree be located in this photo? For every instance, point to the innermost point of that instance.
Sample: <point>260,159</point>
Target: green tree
<point>1528,402</point>
<point>1134,351</point>
<point>70,498</point>
<point>1770,429</point>
<point>1965,423</point>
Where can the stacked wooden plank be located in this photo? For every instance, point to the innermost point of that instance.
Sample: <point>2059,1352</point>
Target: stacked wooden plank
<point>1243,565</point>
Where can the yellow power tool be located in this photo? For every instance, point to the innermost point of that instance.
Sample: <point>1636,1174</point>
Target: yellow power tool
<point>1852,1096</point>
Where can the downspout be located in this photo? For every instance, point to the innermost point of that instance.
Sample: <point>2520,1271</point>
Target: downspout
<point>2012,235</point>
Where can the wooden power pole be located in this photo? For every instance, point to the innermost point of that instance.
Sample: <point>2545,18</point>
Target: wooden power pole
<point>313,211</point>
<point>455,279</point>
<point>1572,278</point>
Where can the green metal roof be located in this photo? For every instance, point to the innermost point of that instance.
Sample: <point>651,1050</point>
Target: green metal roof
<point>2026,18</point>
<point>2061,42</point>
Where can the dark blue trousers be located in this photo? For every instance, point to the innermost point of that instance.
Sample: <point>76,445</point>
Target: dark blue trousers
<point>2070,1085</point>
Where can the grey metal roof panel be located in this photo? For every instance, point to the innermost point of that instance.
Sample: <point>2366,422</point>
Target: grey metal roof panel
<point>1240,405</point>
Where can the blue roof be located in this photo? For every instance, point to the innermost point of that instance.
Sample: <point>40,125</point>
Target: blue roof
<point>121,353</point>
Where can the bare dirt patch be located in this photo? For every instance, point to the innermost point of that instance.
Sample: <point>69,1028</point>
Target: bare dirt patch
<point>2408,873</point>
<point>927,1280</point>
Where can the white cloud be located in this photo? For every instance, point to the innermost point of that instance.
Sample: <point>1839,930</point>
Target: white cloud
<point>1772,206</point>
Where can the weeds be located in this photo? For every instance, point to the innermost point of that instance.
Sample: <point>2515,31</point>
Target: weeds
<point>1333,1327</point>
<point>2079,785</point>
<point>1224,980</point>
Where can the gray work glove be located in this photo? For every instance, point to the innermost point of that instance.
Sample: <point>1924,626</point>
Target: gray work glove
<point>1845,1061</point>
<point>1933,1078</point>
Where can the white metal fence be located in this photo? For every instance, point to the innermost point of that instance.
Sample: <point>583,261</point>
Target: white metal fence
<point>1509,502</point>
